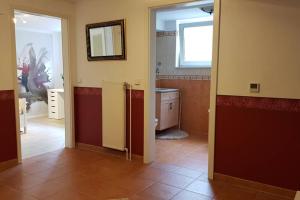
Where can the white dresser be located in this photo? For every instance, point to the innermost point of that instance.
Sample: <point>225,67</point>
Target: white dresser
<point>56,104</point>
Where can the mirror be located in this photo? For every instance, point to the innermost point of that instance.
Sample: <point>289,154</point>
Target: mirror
<point>106,41</point>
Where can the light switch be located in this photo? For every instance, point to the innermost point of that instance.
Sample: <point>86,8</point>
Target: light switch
<point>254,87</point>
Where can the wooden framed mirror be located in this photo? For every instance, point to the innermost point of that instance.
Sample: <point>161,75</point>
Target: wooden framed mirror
<point>106,41</point>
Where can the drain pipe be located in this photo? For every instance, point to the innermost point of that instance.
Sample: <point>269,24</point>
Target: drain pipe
<point>128,150</point>
<point>130,101</point>
<point>179,117</point>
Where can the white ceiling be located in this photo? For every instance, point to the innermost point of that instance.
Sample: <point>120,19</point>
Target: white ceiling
<point>37,23</point>
<point>187,13</point>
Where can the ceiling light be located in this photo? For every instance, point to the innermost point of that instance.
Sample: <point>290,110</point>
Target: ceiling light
<point>208,9</point>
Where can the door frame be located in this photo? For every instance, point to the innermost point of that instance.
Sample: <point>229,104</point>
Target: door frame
<point>68,92</point>
<point>149,147</point>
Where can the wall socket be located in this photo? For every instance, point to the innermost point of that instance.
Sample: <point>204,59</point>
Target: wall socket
<point>254,87</point>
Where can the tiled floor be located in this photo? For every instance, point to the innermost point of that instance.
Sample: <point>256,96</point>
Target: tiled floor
<point>43,135</point>
<point>179,174</point>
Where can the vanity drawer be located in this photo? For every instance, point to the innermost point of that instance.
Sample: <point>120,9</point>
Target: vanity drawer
<point>169,95</point>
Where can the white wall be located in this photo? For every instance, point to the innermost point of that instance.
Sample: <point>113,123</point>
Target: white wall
<point>260,42</point>
<point>58,68</point>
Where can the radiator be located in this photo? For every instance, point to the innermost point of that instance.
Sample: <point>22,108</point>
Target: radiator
<point>114,118</point>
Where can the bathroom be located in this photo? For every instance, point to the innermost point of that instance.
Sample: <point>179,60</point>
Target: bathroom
<point>183,65</point>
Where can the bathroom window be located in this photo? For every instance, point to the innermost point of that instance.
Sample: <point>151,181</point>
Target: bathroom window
<point>195,48</point>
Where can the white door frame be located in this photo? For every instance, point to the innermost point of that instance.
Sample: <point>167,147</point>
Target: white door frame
<point>69,133</point>
<point>149,147</point>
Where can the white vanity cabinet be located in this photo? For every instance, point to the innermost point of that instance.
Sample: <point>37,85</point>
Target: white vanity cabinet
<point>167,108</point>
<point>56,104</point>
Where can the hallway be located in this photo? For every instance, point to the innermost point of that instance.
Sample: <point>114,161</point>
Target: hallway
<point>73,174</point>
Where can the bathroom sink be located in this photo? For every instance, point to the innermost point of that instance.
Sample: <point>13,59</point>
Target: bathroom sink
<point>162,90</point>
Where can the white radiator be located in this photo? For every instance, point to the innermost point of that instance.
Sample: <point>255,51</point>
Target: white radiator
<point>113,109</point>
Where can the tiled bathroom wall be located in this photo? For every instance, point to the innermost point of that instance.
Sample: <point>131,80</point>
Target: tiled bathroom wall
<point>193,84</point>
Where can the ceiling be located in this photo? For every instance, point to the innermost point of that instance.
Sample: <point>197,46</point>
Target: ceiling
<point>187,13</point>
<point>37,23</point>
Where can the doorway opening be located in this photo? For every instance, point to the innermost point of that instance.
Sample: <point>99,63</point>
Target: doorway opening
<point>40,78</point>
<point>183,46</point>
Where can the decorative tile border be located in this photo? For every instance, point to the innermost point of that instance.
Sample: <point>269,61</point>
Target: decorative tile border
<point>165,33</point>
<point>87,91</point>
<point>184,77</point>
<point>6,95</point>
<point>263,103</point>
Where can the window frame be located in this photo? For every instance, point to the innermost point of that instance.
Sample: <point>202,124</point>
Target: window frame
<point>182,62</point>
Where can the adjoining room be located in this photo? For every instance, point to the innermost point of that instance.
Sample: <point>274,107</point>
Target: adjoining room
<point>41,83</point>
<point>183,63</point>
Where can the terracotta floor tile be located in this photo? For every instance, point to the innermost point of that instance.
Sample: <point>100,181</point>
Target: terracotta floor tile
<point>187,195</point>
<point>46,189</point>
<point>188,172</point>
<point>176,180</point>
<point>164,166</point>
<point>135,185</point>
<point>151,174</point>
<point>159,191</point>
<point>23,181</point>
<point>69,195</point>
<point>7,193</point>
<point>204,188</point>
<point>71,174</point>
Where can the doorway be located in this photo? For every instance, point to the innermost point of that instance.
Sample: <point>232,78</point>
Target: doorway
<point>183,72</point>
<point>40,78</point>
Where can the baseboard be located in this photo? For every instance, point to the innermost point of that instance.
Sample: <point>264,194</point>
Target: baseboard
<point>107,151</point>
<point>8,164</point>
<point>277,191</point>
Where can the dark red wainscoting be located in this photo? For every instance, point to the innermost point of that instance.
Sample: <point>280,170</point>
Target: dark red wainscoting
<point>8,141</point>
<point>137,121</point>
<point>259,139</point>
<point>88,115</point>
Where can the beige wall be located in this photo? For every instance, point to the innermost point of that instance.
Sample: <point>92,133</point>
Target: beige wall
<point>260,42</point>
<point>133,69</point>
<point>51,7</point>
<point>6,70</point>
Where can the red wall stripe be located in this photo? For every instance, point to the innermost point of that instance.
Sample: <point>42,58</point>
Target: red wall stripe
<point>8,141</point>
<point>137,121</point>
<point>259,139</point>
<point>88,115</point>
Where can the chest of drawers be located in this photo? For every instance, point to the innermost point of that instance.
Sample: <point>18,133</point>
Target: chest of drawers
<point>56,104</point>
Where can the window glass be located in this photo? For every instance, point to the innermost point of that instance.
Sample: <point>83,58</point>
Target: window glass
<point>198,44</point>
